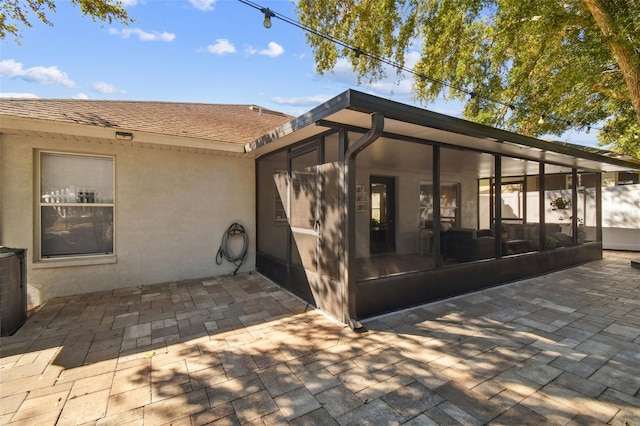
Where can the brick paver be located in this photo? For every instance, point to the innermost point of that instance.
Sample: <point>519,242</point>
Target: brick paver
<point>558,349</point>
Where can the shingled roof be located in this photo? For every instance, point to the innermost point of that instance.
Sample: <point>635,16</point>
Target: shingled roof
<point>237,124</point>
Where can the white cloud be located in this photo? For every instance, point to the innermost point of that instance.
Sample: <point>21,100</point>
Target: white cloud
<point>43,75</point>
<point>343,73</point>
<point>102,87</point>
<point>143,35</point>
<point>307,101</point>
<point>273,50</point>
<point>222,47</point>
<point>205,5</point>
<point>10,68</point>
<point>395,85</point>
<point>80,96</point>
<point>129,3</point>
<point>411,59</point>
<point>250,50</point>
<point>18,95</point>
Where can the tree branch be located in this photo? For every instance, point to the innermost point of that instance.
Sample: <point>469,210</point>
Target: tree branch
<point>624,54</point>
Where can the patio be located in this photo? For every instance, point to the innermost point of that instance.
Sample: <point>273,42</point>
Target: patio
<point>560,348</point>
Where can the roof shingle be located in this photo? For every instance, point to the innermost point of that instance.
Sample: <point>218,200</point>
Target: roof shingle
<point>238,124</point>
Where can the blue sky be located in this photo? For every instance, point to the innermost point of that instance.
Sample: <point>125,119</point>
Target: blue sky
<point>210,51</point>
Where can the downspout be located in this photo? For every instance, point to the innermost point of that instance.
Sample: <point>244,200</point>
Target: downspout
<point>349,183</point>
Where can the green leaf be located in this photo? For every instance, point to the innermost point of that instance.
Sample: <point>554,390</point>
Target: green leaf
<point>544,57</point>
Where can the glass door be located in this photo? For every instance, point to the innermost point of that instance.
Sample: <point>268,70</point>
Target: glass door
<point>383,214</point>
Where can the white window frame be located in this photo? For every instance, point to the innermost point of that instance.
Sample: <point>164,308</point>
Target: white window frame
<point>69,260</point>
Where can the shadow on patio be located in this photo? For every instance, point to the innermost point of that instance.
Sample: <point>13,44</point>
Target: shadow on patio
<point>554,349</point>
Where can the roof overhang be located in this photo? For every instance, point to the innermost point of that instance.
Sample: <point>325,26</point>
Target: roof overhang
<point>115,136</point>
<point>352,110</point>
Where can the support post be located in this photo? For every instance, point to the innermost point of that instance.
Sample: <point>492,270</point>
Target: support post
<point>437,234</point>
<point>498,205</point>
<point>574,205</point>
<point>542,228</point>
<point>599,207</point>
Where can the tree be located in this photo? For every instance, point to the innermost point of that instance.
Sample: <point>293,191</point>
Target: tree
<point>573,63</point>
<point>15,14</point>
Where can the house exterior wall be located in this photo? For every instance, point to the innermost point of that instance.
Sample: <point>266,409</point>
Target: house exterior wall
<point>172,209</point>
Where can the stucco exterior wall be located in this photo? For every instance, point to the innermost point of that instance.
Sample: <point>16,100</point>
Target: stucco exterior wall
<point>172,209</point>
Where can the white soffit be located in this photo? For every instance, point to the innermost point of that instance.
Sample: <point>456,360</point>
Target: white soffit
<point>352,110</point>
<point>508,148</point>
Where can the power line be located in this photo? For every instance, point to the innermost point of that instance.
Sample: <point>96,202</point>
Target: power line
<point>358,52</point>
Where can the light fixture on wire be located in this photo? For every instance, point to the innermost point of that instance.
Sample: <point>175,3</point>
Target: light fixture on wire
<point>268,14</point>
<point>356,57</point>
<point>541,120</point>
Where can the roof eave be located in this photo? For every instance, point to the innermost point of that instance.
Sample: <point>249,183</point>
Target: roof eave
<point>365,103</point>
<point>332,106</point>
<point>394,110</point>
<point>8,122</point>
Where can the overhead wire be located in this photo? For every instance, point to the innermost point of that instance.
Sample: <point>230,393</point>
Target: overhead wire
<point>358,52</point>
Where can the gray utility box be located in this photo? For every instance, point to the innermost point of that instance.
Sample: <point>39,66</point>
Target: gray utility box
<point>13,290</point>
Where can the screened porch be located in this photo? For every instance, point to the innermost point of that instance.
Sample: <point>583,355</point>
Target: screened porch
<point>362,211</point>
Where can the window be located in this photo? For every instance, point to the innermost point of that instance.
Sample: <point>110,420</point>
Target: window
<point>376,203</point>
<point>280,212</point>
<point>303,191</point>
<point>280,180</point>
<point>76,205</point>
<point>514,196</point>
<point>303,199</point>
<point>449,193</point>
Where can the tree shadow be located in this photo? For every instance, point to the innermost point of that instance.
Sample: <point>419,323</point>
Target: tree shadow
<point>533,356</point>
<point>551,349</point>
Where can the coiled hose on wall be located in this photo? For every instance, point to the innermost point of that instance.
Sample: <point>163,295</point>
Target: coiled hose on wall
<point>225,252</point>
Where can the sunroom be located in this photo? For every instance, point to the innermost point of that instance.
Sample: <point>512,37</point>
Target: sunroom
<point>366,206</point>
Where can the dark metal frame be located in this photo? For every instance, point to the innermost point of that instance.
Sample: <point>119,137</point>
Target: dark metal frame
<point>371,297</point>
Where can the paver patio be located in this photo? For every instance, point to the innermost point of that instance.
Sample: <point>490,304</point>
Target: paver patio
<point>563,348</point>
